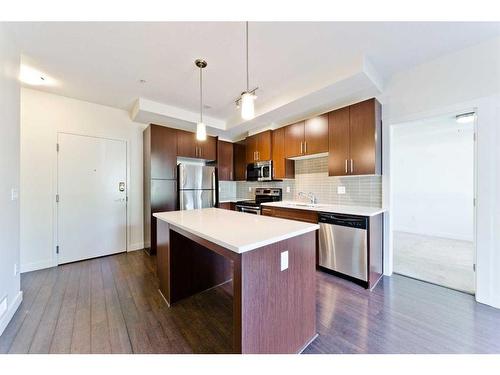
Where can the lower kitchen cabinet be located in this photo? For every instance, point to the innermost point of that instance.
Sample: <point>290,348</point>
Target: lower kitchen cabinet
<point>290,213</point>
<point>226,205</point>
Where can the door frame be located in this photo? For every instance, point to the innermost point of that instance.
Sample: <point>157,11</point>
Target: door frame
<point>56,189</point>
<point>388,197</point>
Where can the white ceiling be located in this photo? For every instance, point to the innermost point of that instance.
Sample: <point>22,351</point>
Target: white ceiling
<point>103,62</point>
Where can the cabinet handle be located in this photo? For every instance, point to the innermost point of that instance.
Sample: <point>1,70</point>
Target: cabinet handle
<point>231,176</point>
<point>345,166</point>
<point>258,155</point>
<point>305,147</point>
<point>351,166</point>
<point>274,172</point>
<point>301,148</point>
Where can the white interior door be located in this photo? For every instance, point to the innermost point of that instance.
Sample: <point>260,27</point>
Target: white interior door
<point>92,208</point>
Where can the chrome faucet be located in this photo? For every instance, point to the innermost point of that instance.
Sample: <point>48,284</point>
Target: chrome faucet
<point>311,196</point>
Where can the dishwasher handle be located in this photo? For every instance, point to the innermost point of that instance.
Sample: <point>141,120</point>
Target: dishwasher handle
<point>344,220</point>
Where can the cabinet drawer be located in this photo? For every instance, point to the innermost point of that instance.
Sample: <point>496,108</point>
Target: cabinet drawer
<point>291,214</point>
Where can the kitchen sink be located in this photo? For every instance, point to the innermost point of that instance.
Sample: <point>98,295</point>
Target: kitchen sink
<point>311,205</point>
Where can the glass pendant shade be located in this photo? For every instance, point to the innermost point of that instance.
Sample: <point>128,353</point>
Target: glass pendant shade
<point>247,106</point>
<point>201,132</point>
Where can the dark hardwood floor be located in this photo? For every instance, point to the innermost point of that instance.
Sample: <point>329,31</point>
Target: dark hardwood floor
<point>112,305</point>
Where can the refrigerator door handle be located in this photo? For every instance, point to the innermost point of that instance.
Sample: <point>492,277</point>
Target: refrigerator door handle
<point>214,190</point>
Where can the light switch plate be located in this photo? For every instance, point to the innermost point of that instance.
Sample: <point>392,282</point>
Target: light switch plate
<point>284,260</point>
<point>250,189</point>
<point>340,189</point>
<point>288,189</point>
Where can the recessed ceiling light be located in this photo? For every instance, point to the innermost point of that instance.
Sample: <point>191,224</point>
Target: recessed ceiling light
<point>33,77</point>
<point>142,81</point>
<point>465,117</point>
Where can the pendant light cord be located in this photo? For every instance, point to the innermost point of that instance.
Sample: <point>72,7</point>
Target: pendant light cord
<point>248,86</point>
<point>201,95</point>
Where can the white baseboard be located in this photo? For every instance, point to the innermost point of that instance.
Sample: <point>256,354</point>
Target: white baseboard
<point>33,266</point>
<point>136,246</point>
<point>4,321</point>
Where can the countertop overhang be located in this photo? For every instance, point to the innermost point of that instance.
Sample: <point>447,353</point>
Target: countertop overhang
<point>329,208</point>
<point>235,231</point>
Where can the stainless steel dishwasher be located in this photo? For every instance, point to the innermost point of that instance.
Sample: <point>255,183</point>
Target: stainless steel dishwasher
<point>343,241</point>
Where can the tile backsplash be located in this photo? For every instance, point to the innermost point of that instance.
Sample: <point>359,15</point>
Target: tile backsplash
<point>311,175</point>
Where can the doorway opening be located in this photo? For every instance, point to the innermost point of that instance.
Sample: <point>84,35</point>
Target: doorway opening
<point>433,200</point>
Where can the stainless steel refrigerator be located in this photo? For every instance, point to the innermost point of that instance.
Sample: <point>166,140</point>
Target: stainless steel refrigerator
<point>197,186</point>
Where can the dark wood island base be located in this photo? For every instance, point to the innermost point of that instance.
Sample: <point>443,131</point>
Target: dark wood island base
<point>274,311</point>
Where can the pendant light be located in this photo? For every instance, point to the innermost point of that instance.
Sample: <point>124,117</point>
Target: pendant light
<point>201,129</point>
<point>247,97</point>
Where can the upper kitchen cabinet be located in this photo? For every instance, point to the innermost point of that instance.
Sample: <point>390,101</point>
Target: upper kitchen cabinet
<point>225,162</point>
<point>294,140</point>
<point>188,146</point>
<point>355,139</point>
<point>160,146</point>
<point>258,147</point>
<point>282,167</point>
<point>307,137</point>
<point>316,135</point>
<point>239,160</point>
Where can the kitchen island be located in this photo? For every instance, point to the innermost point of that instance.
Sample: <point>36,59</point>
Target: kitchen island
<point>270,262</point>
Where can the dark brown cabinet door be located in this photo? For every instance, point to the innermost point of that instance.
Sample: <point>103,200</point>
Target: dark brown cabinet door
<point>207,149</point>
<point>264,146</point>
<point>251,149</point>
<point>338,142</point>
<point>240,162</point>
<point>225,205</point>
<point>316,135</point>
<point>294,140</point>
<point>186,144</point>
<point>163,152</point>
<point>163,198</point>
<point>362,136</point>
<point>282,167</point>
<point>225,160</point>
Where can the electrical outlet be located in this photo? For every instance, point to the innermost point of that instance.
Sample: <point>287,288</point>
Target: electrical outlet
<point>14,194</point>
<point>340,189</point>
<point>288,189</point>
<point>284,260</point>
<point>250,189</point>
<point>15,269</point>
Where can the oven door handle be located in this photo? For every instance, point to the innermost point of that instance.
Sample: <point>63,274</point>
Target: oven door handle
<point>249,210</point>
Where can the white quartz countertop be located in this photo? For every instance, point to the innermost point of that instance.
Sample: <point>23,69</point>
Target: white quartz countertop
<point>234,200</point>
<point>236,231</point>
<point>330,208</point>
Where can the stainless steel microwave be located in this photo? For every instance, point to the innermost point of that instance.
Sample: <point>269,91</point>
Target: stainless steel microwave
<point>260,171</point>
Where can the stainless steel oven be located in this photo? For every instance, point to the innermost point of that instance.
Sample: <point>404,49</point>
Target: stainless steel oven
<point>262,195</point>
<point>260,171</point>
<point>248,209</point>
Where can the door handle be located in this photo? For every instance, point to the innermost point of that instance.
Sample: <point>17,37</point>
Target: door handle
<point>351,166</point>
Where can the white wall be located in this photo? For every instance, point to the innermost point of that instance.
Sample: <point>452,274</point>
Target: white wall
<point>433,178</point>
<point>9,176</point>
<point>462,81</point>
<point>43,115</point>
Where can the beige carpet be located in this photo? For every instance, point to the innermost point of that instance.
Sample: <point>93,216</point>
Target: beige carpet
<point>437,260</point>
